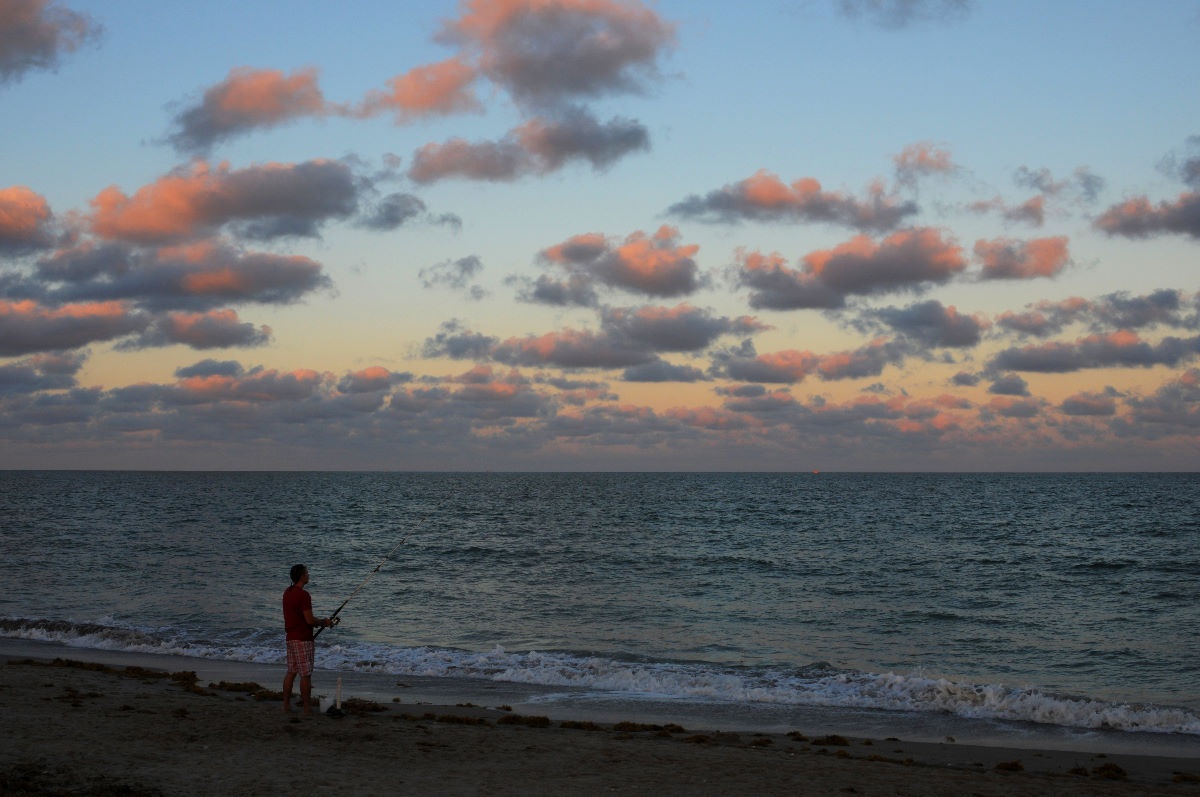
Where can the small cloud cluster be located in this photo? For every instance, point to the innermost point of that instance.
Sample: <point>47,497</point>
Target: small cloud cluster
<point>656,264</point>
<point>764,197</point>
<point>549,58</point>
<point>35,34</point>
<point>897,14</point>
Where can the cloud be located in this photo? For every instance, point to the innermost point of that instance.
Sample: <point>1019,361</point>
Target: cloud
<point>764,197</point>
<point>572,349</point>
<point>215,329</point>
<point>459,343</point>
<point>682,328</point>
<point>1032,211</point>
<point>1082,186</point>
<point>1090,404</point>
<point>1185,167</point>
<point>1173,408</point>
<point>25,220</point>
<point>247,99</point>
<point>438,89</point>
<point>907,260</point>
<point>265,201</point>
<point>655,265</point>
<point>540,146</point>
<point>550,53</point>
<point>1118,349</point>
<point>194,276</point>
<point>371,379</point>
<point>923,159</point>
<point>930,324</point>
<point>1010,407</point>
<point>663,371</point>
<point>1139,218</point>
<point>578,135</point>
<point>1114,311</point>
<point>35,34</point>
<point>1005,258</point>
<point>40,372</point>
<point>1009,385</point>
<point>897,14</point>
<point>456,275</point>
<point>792,366</point>
<point>577,290</point>
<point>396,210</point>
<point>261,385</point>
<point>28,326</point>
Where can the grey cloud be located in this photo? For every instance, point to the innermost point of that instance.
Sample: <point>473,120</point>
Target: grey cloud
<point>1097,351</point>
<point>396,210</point>
<point>216,330</point>
<point>549,54</point>
<point>458,343</point>
<point>40,372</point>
<point>679,329</point>
<point>35,34</point>
<point>802,201</point>
<point>663,371</point>
<point>575,291</point>
<point>456,275</point>
<point>930,323</point>
<point>1009,385</point>
<point>898,14</point>
<point>211,368</point>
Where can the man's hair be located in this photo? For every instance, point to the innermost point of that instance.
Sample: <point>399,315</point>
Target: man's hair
<point>297,572</point>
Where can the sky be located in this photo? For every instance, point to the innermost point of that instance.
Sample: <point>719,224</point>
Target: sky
<point>772,235</point>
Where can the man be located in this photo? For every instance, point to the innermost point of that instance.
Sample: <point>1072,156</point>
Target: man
<point>298,622</point>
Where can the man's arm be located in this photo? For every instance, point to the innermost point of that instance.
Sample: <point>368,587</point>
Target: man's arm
<point>313,621</point>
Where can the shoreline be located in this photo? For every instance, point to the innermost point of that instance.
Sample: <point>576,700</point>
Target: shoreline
<point>95,724</point>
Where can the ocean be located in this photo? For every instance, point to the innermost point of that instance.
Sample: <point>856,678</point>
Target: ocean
<point>1046,608</point>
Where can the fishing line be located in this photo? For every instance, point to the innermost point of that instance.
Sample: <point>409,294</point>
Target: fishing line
<point>333,617</point>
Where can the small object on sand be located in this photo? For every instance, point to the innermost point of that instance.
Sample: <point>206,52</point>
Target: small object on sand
<point>335,710</point>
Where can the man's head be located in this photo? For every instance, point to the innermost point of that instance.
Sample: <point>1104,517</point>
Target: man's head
<point>298,572</point>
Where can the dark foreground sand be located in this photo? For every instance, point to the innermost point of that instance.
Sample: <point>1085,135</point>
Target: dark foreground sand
<point>67,727</point>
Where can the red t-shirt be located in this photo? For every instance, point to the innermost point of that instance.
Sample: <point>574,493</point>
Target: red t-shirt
<point>295,601</point>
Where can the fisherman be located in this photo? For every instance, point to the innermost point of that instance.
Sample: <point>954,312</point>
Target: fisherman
<point>299,622</point>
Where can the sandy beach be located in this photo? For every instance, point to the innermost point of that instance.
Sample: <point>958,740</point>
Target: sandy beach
<point>90,728</point>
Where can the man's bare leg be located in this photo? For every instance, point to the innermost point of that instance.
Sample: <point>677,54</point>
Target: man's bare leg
<point>287,690</point>
<point>305,689</point>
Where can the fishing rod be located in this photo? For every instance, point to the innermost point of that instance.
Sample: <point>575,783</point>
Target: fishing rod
<point>333,617</point>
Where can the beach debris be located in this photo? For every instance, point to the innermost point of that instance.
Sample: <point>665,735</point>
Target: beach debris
<point>832,740</point>
<point>1010,766</point>
<point>1110,771</point>
<point>520,719</point>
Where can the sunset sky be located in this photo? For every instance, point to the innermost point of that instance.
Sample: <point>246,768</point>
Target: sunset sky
<point>600,234</point>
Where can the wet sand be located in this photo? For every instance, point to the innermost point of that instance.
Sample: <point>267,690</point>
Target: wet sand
<point>89,728</point>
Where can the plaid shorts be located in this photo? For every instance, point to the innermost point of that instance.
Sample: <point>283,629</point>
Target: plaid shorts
<point>300,653</point>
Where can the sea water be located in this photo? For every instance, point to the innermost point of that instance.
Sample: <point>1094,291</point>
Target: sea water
<point>1062,603</point>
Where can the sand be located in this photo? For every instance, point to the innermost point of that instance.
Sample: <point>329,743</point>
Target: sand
<point>69,727</point>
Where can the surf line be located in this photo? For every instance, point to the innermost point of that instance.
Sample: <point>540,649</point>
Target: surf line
<point>334,617</point>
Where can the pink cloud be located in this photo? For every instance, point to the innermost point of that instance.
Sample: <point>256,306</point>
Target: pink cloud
<point>429,90</point>
<point>198,200</point>
<point>764,197</point>
<point>656,264</point>
<point>24,218</point>
<point>27,326</point>
<point>921,159</point>
<point>1139,218</point>
<point>262,385</point>
<point>549,51</point>
<point>1004,258</point>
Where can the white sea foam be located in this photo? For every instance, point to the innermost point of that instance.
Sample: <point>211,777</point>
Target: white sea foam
<point>817,685</point>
